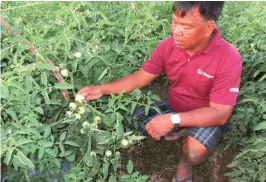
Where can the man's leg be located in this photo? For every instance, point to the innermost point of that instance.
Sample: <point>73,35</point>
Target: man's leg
<point>194,153</point>
<point>198,143</point>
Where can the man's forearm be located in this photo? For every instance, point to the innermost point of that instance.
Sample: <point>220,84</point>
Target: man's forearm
<point>202,117</point>
<point>129,83</point>
<point>126,84</point>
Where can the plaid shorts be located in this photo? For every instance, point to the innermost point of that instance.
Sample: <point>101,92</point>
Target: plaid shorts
<point>209,136</point>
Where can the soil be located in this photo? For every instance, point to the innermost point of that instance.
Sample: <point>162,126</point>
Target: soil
<point>159,160</point>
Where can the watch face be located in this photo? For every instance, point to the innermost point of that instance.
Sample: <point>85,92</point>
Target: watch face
<point>175,118</point>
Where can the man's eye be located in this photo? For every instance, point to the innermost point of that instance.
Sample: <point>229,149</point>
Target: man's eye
<point>188,28</point>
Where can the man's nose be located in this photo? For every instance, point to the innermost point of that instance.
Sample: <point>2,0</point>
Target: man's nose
<point>178,30</point>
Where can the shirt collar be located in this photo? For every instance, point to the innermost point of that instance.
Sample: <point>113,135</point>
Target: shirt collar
<point>214,43</point>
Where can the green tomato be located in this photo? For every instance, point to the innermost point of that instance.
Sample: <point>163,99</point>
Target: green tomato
<point>108,153</point>
<point>64,72</point>
<point>85,125</point>
<point>97,119</point>
<point>69,113</point>
<point>80,98</point>
<point>72,106</point>
<point>61,66</point>
<point>77,116</point>
<point>56,68</point>
<point>94,125</point>
<point>124,142</point>
<point>77,55</point>
<point>117,153</point>
<point>81,110</point>
<point>82,131</point>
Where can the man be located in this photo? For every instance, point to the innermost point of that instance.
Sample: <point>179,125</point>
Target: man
<point>204,74</point>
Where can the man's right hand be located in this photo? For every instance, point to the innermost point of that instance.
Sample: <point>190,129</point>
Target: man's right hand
<point>91,92</point>
<point>129,83</point>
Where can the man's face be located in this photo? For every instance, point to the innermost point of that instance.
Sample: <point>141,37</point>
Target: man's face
<point>190,31</point>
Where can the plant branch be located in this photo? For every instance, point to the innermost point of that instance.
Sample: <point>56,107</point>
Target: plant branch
<point>16,7</point>
<point>34,51</point>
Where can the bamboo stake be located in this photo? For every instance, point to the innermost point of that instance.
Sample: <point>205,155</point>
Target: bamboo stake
<point>133,6</point>
<point>34,51</point>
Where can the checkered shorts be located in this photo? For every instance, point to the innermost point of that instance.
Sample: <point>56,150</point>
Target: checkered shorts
<point>209,137</point>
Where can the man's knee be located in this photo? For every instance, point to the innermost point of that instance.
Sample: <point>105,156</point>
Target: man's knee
<point>194,152</point>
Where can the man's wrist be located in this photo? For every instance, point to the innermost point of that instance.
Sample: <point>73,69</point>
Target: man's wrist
<point>102,89</point>
<point>175,119</point>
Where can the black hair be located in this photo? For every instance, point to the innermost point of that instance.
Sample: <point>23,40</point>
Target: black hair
<point>210,10</point>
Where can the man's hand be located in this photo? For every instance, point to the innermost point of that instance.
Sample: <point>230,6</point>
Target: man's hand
<point>159,126</point>
<point>91,92</point>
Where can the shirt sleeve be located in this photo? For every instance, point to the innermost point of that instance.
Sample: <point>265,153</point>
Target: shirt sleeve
<point>225,89</point>
<point>155,64</point>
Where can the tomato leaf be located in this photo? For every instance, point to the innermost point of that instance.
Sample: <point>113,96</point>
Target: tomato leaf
<point>129,167</point>
<point>63,86</point>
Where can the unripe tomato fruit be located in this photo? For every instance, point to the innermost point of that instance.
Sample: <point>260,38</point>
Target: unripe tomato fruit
<point>94,125</point>
<point>64,72</point>
<point>82,131</point>
<point>79,98</point>
<point>72,106</point>
<point>61,66</point>
<point>97,119</point>
<point>81,110</point>
<point>77,116</point>
<point>77,55</point>
<point>124,142</point>
<point>85,125</point>
<point>56,68</point>
<point>108,153</point>
<point>69,113</point>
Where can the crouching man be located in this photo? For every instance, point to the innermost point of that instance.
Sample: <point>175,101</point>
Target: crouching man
<point>204,73</point>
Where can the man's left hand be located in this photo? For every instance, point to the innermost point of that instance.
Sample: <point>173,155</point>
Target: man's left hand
<point>159,126</point>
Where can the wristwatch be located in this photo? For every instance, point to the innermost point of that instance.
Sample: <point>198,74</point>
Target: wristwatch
<point>175,118</point>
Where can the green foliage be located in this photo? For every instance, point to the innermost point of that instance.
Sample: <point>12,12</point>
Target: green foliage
<point>132,176</point>
<point>247,31</point>
<point>97,43</point>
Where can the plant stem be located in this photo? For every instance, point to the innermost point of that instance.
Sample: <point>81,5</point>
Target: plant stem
<point>26,175</point>
<point>92,108</point>
<point>16,7</point>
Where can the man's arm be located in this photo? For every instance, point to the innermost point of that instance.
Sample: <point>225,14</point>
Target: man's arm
<point>214,115</point>
<point>129,83</point>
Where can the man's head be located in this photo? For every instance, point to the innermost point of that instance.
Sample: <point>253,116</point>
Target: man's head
<point>194,22</point>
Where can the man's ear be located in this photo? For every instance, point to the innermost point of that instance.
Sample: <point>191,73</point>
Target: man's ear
<point>210,27</point>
